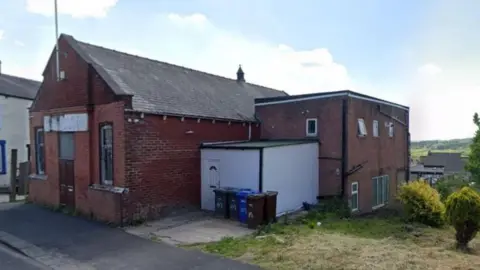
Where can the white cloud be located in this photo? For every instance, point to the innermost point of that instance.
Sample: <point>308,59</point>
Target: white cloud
<point>19,43</point>
<point>279,66</point>
<point>1,34</point>
<point>429,69</point>
<point>196,18</point>
<point>74,8</point>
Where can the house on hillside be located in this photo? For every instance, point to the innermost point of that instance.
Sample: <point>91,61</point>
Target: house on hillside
<point>121,134</point>
<point>431,174</point>
<point>16,96</point>
<point>364,149</point>
<point>450,162</point>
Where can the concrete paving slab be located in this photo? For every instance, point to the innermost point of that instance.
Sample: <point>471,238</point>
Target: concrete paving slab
<point>190,228</point>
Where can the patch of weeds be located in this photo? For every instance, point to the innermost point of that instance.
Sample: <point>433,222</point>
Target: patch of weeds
<point>154,238</point>
<point>236,247</point>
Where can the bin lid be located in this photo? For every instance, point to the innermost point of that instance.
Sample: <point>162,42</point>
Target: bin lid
<point>256,196</point>
<point>271,193</point>
<point>245,192</point>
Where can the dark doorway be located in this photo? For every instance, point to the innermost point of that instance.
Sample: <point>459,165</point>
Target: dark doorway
<point>66,161</point>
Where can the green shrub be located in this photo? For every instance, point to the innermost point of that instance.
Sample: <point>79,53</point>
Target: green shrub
<point>422,203</point>
<point>463,213</point>
<point>449,184</point>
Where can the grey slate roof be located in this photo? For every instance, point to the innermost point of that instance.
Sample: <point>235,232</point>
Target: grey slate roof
<point>452,162</point>
<point>163,88</point>
<point>18,87</point>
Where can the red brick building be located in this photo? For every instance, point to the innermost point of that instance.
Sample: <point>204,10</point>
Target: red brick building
<point>117,136</point>
<point>364,141</point>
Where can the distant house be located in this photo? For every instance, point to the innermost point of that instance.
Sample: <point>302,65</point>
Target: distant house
<point>450,162</point>
<point>430,174</point>
<point>16,96</point>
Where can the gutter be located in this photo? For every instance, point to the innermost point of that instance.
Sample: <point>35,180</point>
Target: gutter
<point>344,145</point>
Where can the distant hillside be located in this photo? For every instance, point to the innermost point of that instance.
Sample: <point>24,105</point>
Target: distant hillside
<point>421,148</point>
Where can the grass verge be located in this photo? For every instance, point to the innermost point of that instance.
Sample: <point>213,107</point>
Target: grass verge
<point>327,242</point>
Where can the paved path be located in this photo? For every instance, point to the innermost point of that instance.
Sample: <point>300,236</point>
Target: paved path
<point>66,242</point>
<point>11,260</point>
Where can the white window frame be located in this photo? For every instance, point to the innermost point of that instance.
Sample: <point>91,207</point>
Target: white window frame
<point>375,128</point>
<point>383,196</point>
<point>354,192</point>
<point>316,127</point>
<point>362,129</point>
<point>391,130</point>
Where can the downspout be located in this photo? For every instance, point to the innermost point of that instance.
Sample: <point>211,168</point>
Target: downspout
<point>344,145</point>
<point>407,171</point>
<point>249,131</point>
<point>90,119</point>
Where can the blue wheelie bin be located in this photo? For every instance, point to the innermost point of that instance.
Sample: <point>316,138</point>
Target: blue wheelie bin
<point>242,204</point>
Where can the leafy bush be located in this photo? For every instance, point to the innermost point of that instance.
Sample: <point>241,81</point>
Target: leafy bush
<point>422,203</point>
<point>449,184</point>
<point>463,213</point>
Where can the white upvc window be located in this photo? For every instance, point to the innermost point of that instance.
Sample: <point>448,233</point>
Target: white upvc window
<point>375,128</point>
<point>354,198</point>
<point>380,191</point>
<point>311,127</point>
<point>391,129</point>
<point>362,129</point>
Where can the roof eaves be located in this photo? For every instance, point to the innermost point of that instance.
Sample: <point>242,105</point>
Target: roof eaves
<point>304,97</point>
<point>248,120</point>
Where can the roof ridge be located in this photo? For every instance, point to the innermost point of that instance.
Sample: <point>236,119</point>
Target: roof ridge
<point>18,77</point>
<point>175,65</point>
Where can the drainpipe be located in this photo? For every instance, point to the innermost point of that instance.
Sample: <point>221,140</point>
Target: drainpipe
<point>90,119</point>
<point>249,131</point>
<point>407,171</point>
<point>344,145</point>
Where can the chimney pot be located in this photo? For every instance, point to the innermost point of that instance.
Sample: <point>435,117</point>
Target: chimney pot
<point>240,74</point>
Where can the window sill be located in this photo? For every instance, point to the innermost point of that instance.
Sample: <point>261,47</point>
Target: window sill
<point>378,206</point>
<point>312,135</point>
<point>38,177</point>
<point>109,188</point>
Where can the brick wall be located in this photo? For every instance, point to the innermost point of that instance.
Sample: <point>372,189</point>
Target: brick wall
<point>163,160</point>
<point>288,120</point>
<point>71,96</point>
<point>383,155</point>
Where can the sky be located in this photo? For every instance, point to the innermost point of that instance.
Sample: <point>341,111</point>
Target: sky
<point>422,54</point>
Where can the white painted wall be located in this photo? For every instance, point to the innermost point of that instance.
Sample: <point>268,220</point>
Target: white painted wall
<point>237,168</point>
<point>14,129</point>
<point>292,171</point>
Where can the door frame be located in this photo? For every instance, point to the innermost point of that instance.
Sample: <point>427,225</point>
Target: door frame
<point>73,201</point>
<point>206,189</point>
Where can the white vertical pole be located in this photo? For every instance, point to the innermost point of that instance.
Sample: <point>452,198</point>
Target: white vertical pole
<point>56,43</point>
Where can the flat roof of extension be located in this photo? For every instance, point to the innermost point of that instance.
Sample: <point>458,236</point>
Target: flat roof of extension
<point>255,144</point>
<point>288,99</point>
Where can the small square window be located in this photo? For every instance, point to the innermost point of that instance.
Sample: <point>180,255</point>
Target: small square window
<point>375,128</point>
<point>354,205</point>
<point>311,127</point>
<point>362,129</point>
<point>391,129</point>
